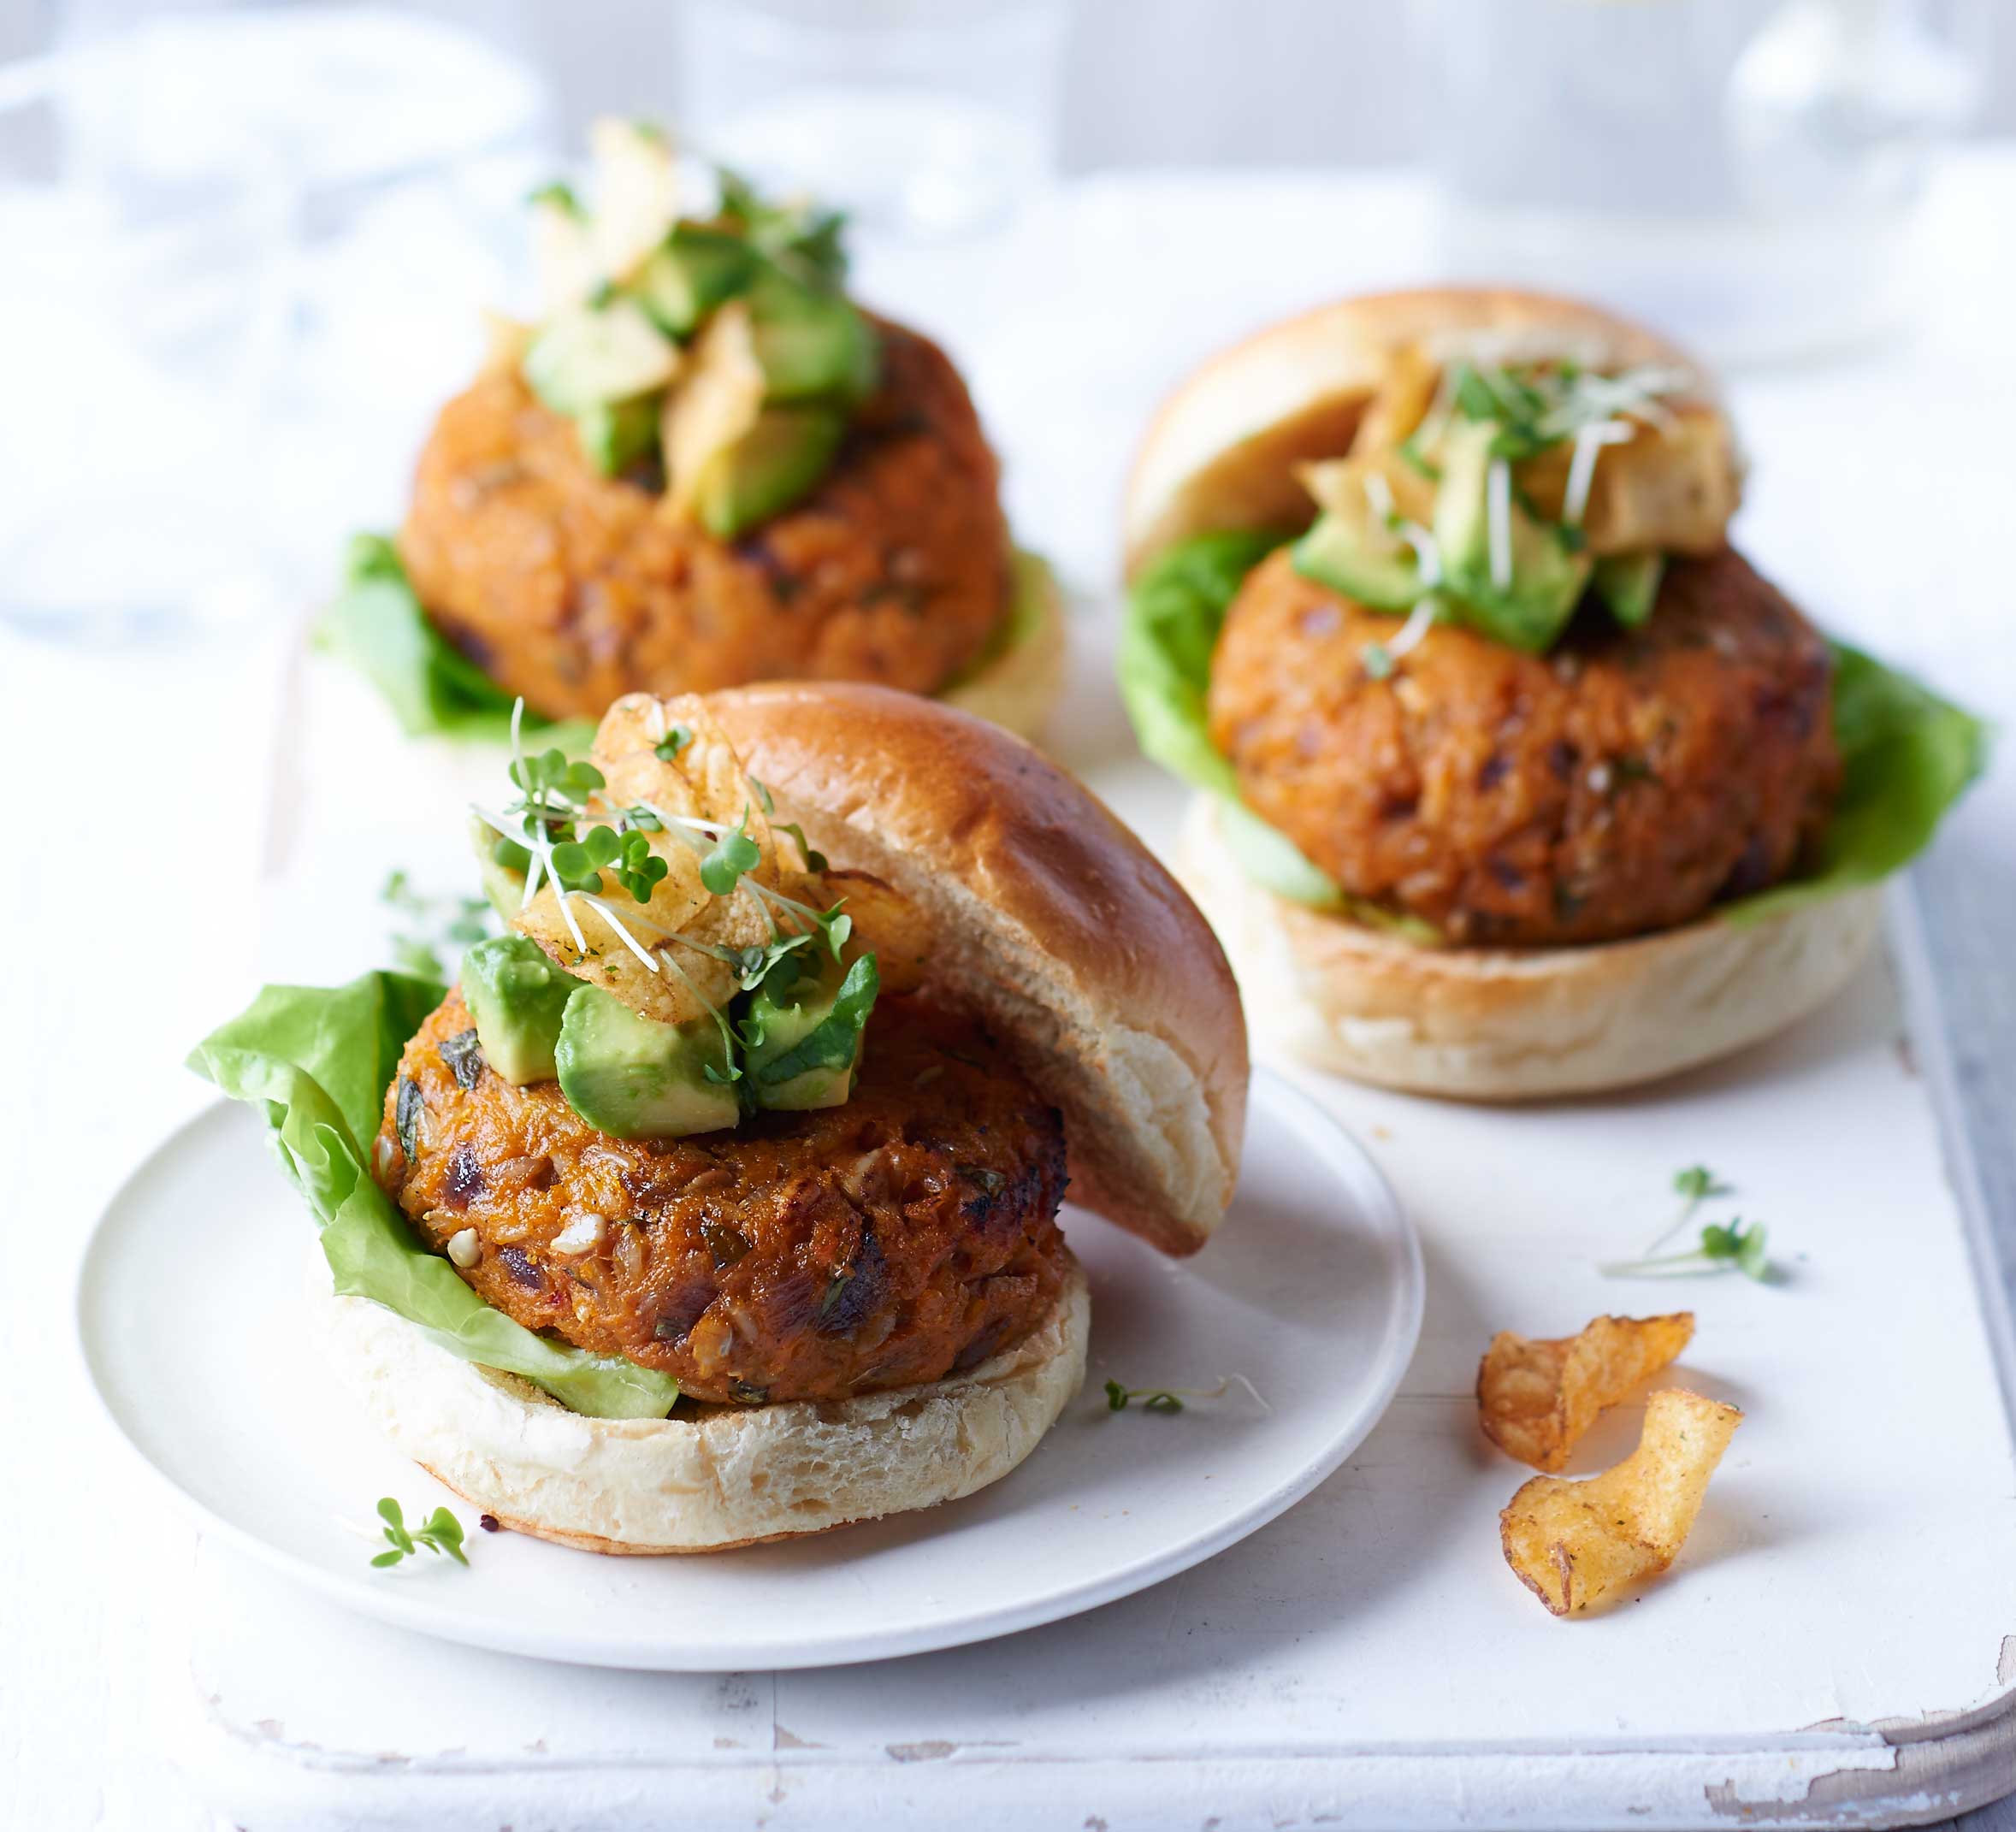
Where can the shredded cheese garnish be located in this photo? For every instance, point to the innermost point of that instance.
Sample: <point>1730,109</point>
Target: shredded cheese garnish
<point>608,916</point>
<point>1420,621</point>
<point>1589,442</point>
<point>1427,553</point>
<point>1498,499</point>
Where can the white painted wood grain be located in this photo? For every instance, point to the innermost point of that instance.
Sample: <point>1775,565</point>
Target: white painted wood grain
<point>1378,1607</point>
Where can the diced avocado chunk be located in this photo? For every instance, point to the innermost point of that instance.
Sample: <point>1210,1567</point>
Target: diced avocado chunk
<point>1629,584</point>
<point>498,866</point>
<point>1545,577</point>
<point>598,353</point>
<point>518,998</point>
<point>802,1032</point>
<point>695,270</point>
<point>634,1078</point>
<point>812,344</point>
<point>1355,553</point>
<point>615,435</point>
<point>768,469</point>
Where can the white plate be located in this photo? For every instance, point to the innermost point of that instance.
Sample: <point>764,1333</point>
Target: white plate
<point>186,1310</point>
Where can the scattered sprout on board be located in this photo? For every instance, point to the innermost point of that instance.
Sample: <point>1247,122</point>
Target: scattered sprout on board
<point>1723,1246</point>
<point>441,1532</point>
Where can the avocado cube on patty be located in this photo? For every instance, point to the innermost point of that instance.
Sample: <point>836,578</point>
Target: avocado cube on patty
<point>518,998</point>
<point>635,1078</point>
<point>767,469</point>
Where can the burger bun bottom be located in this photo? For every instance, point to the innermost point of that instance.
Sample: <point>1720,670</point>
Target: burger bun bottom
<point>1516,1024</point>
<point>726,1477</point>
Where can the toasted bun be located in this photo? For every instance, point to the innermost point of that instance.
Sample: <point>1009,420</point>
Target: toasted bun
<point>1019,687</point>
<point>727,1476</point>
<point>1221,453</point>
<point>1504,1025</point>
<point>1048,919</point>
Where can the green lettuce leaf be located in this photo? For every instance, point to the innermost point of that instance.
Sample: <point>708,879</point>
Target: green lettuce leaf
<point>1907,757</point>
<point>1906,754</point>
<point>317,1061</point>
<point>1027,608</point>
<point>1173,615</point>
<point>377,624</point>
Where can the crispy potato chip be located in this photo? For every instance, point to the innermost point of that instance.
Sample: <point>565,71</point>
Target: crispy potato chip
<point>1573,1543</point>
<point>719,399</point>
<point>887,923</point>
<point>661,958</point>
<point>1400,402</point>
<point>1536,1396</point>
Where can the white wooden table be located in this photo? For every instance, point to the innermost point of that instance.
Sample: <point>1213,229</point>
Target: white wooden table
<point>1366,1657</point>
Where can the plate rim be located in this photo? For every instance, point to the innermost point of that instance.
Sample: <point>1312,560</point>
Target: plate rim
<point>1400,1335</point>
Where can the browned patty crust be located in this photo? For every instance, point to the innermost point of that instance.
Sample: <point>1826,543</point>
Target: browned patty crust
<point>572,589</point>
<point>1617,786</point>
<point>895,1239</point>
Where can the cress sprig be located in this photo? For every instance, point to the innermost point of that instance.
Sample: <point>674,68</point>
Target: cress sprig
<point>542,835</point>
<point>441,1532</point>
<point>1722,1247</point>
<point>1152,1399</point>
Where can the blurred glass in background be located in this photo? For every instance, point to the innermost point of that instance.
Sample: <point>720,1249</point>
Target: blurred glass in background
<point>919,116</point>
<point>1745,174</point>
<point>248,240</point>
<point>231,234</point>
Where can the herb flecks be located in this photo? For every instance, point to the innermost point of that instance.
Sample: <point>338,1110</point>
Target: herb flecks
<point>1152,1399</point>
<point>436,925</point>
<point>1119,1397</point>
<point>441,1532</point>
<point>1721,1247</point>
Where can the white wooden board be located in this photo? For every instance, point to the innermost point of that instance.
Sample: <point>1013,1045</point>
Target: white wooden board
<point>1832,1645</point>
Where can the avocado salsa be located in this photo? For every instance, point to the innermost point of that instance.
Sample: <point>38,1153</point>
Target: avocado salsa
<point>1509,503</point>
<point>787,1039</point>
<point>721,351</point>
<point>326,1067</point>
<point>699,463</point>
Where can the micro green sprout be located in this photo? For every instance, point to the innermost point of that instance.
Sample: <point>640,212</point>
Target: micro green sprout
<point>441,1532</point>
<point>438,923</point>
<point>1119,1397</point>
<point>1152,1399</point>
<point>1722,1246</point>
<point>734,854</point>
<point>1731,1248</point>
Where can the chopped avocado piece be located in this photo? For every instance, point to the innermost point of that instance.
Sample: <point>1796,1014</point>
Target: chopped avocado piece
<point>501,863</point>
<point>1353,551</point>
<point>802,1032</point>
<point>694,272</point>
<point>1544,578</point>
<point>635,1078</point>
<point>812,343</point>
<point>517,997</point>
<point>594,354</point>
<point>1629,584</point>
<point>615,435</point>
<point>767,469</point>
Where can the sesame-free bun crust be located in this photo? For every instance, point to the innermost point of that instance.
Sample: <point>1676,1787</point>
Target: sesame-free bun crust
<point>1518,1024</point>
<point>1221,451</point>
<point>1049,920</point>
<point>722,1478</point>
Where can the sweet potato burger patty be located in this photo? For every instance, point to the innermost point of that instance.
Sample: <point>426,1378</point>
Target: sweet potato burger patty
<point>817,1255</point>
<point>1617,786</point>
<point>572,589</point>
